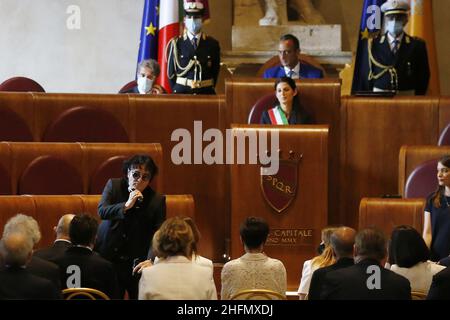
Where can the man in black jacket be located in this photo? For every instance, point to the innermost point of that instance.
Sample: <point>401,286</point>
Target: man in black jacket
<point>36,266</point>
<point>440,287</point>
<point>61,243</point>
<point>341,241</point>
<point>80,266</point>
<point>16,281</point>
<point>367,279</point>
<point>131,212</point>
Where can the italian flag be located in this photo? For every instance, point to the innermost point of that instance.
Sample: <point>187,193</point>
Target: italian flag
<point>277,116</point>
<point>169,27</point>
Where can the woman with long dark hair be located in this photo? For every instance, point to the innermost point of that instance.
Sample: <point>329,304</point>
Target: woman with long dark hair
<point>436,226</point>
<point>288,109</point>
<point>408,256</point>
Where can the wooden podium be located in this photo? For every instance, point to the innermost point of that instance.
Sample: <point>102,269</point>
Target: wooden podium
<point>294,201</point>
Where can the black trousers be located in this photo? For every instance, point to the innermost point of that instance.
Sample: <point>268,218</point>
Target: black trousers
<point>127,282</point>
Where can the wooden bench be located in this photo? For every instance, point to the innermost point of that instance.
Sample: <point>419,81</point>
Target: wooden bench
<point>48,209</point>
<point>386,214</point>
<point>69,168</point>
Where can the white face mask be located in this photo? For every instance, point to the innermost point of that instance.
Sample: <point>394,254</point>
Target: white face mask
<point>144,85</point>
<point>194,26</point>
<point>394,27</point>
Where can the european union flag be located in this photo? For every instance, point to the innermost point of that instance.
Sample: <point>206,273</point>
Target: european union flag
<point>371,23</point>
<point>148,48</point>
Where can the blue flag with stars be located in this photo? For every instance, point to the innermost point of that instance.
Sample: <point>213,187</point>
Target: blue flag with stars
<point>148,48</point>
<point>371,24</point>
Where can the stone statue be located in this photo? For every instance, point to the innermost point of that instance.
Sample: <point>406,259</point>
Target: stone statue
<point>305,8</point>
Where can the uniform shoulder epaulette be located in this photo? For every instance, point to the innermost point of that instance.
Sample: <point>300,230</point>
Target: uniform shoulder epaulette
<point>382,39</point>
<point>418,39</point>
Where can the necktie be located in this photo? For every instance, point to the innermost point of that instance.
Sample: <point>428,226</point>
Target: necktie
<point>194,43</point>
<point>291,73</point>
<point>395,44</point>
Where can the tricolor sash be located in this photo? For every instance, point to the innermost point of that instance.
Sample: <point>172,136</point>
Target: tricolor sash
<point>277,116</point>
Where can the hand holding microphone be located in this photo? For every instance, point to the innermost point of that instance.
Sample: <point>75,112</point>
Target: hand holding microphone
<point>135,199</point>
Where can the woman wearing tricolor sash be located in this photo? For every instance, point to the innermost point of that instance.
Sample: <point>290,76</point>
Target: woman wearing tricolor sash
<point>288,109</point>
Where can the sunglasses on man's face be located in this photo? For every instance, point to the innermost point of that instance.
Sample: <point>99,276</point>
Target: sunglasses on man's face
<point>136,175</point>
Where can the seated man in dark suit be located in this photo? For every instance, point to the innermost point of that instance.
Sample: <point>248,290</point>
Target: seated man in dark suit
<point>440,287</point>
<point>36,266</point>
<point>16,282</point>
<point>341,241</point>
<point>80,266</point>
<point>367,279</point>
<point>289,54</point>
<point>61,243</point>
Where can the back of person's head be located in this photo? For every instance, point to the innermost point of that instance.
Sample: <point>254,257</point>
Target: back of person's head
<point>407,247</point>
<point>62,228</point>
<point>292,38</point>
<point>23,223</point>
<point>326,234</point>
<point>370,243</point>
<point>254,232</point>
<point>326,258</point>
<point>16,248</point>
<point>138,161</point>
<point>342,241</point>
<point>174,238</point>
<point>82,230</point>
<point>195,233</point>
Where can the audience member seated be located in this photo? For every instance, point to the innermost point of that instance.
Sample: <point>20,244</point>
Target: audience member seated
<point>61,243</point>
<point>289,53</point>
<point>436,224</point>
<point>341,243</point>
<point>174,276</point>
<point>367,279</point>
<point>440,287</point>
<point>91,271</point>
<point>16,281</point>
<point>408,256</point>
<point>195,257</point>
<point>324,259</point>
<point>148,71</point>
<point>253,270</point>
<point>288,109</point>
<point>36,266</point>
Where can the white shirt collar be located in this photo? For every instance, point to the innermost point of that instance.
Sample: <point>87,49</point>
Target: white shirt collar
<point>86,247</point>
<point>191,36</point>
<point>296,71</point>
<point>391,39</point>
<point>62,240</point>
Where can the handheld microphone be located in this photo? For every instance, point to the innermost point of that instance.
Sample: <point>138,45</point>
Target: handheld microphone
<point>139,200</point>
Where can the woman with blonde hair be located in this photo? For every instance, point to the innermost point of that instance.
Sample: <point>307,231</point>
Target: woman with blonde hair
<point>174,276</point>
<point>325,259</point>
<point>196,258</point>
